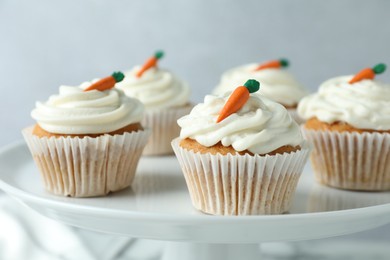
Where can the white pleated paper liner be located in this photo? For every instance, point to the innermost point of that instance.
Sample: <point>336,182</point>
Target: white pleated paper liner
<point>241,184</point>
<point>163,124</point>
<point>87,167</point>
<point>351,160</point>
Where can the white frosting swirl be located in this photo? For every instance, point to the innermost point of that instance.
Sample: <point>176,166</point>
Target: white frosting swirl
<point>74,111</point>
<point>156,88</point>
<point>364,104</point>
<point>260,126</point>
<point>276,84</point>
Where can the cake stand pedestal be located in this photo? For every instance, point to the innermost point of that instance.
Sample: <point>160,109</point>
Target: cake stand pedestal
<point>158,206</point>
<point>196,251</point>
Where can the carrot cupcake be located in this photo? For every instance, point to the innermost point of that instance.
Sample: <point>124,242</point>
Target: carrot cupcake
<point>349,125</point>
<point>166,98</point>
<point>241,154</point>
<point>88,139</point>
<point>276,83</point>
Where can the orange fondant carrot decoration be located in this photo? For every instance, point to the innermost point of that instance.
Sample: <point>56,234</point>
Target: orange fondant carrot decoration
<point>368,73</point>
<point>107,82</point>
<point>238,99</point>
<point>273,64</point>
<point>151,62</point>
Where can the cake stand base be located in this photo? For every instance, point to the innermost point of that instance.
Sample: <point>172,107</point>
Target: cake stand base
<point>204,251</point>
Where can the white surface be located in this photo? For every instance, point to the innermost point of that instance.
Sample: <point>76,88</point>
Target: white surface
<point>29,235</point>
<point>158,207</point>
<point>26,235</point>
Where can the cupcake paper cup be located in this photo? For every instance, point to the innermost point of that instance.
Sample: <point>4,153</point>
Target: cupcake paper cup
<point>87,167</point>
<point>353,161</point>
<point>164,129</point>
<point>241,184</point>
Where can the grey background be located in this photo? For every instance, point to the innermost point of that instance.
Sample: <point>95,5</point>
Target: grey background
<point>46,43</point>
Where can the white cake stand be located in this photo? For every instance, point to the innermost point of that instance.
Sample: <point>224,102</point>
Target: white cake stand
<point>158,206</point>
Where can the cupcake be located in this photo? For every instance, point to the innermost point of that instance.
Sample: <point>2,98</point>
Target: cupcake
<point>276,83</point>
<point>88,139</point>
<point>241,154</point>
<point>166,98</point>
<point>348,122</point>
